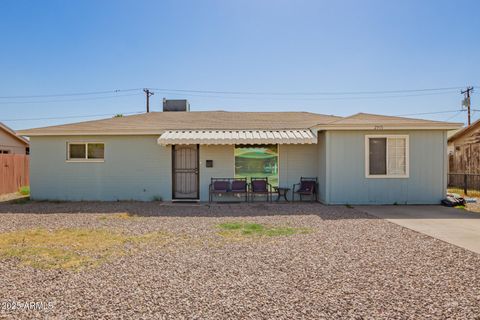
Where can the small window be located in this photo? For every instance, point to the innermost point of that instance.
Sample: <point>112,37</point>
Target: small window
<point>3,151</point>
<point>386,156</point>
<point>86,151</point>
<point>378,156</point>
<point>96,150</point>
<point>77,151</point>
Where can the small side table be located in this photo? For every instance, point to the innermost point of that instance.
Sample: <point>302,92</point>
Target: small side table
<point>282,192</point>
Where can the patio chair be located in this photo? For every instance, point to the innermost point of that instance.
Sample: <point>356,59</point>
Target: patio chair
<point>218,187</point>
<point>260,186</point>
<point>240,186</point>
<point>307,187</point>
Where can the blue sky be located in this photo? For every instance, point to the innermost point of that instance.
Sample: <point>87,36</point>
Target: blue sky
<point>57,47</point>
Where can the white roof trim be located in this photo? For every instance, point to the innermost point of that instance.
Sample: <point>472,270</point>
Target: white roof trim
<point>445,126</point>
<point>171,137</point>
<point>13,133</point>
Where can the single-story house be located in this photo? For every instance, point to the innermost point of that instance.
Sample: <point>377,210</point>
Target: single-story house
<point>11,143</point>
<point>360,159</point>
<point>464,149</point>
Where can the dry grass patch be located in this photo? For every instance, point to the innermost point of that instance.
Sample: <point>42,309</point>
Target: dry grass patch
<point>119,216</point>
<point>69,248</point>
<point>471,192</point>
<point>246,229</point>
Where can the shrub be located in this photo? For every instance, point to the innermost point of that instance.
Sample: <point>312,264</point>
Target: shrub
<point>25,190</point>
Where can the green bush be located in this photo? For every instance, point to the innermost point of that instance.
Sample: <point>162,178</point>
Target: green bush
<point>25,190</point>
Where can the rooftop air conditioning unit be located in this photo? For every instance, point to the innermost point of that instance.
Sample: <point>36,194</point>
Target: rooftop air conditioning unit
<point>175,105</point>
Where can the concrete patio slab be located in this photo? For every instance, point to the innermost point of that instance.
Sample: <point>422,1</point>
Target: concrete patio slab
<point>455,226</point>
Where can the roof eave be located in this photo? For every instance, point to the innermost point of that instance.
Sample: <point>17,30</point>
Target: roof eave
<point>464,131</point>
<point>388,127</point>
<point>14,134</point>
<point>29,133</point>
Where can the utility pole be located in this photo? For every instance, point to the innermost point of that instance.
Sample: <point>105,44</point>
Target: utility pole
<point>148,94</point>
<point>466,100</point>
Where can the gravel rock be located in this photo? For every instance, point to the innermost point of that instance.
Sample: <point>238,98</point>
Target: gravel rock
<point>351,266</point>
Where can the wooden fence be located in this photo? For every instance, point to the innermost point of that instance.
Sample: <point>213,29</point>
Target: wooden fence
<point>14,172</point>
<point>465,158</point>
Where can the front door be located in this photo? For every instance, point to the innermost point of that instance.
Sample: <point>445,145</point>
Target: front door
<point>185,171</point>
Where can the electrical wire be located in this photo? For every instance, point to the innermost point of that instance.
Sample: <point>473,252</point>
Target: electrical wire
<point>72,117</point>
<point>308,99</point>
<point>67,94</point>
<point>427,113</point>
<point>308,93</point>
<point>454,116</point>
<point>238,97</point>
<point>334,93</point>
<point>68,100</point>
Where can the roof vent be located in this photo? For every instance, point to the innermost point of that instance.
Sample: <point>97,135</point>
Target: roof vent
<point>175,105</point>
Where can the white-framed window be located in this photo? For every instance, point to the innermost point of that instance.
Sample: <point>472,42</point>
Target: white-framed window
<point>4,151</point>
<point>85,151</point>
<point>386,156</point>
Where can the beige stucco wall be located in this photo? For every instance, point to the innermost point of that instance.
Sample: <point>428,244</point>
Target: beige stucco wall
<point>7,142</point>
<point>137,168</point>
<point>322,166</point>
<point>223,165</point>
<point>295,161</point>
<point>347,181</point>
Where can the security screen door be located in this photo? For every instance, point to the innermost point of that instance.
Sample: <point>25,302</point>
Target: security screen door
<point>185,172</point>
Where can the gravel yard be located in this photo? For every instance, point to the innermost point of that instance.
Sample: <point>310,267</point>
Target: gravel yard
<point>348,265</point>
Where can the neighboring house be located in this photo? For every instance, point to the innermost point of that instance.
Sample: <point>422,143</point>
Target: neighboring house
<point>11,143</point>
<point>464,149</point>
<point>361,159</point>
<point>14,162</point>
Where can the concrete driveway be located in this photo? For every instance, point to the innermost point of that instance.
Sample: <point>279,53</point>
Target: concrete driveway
<point>455,226</point>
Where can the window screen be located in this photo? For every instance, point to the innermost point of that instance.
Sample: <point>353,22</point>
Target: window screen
<point>387,156</point>
<point>396,156</point>
<point>96,150</point>
<point>86,151</point>
<point>77,151</point>
<point>377,156</point>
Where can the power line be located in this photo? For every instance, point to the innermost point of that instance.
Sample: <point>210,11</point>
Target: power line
<point>238,97</point>
<point>454,116</point>
<point>426,91</point>
<point>68,100</point>
<point>72,117</point>
<point>67,94</point>
<point>427,113</point>
<point>307,93</point>
<point>232,92</point>
<point>315,99</point>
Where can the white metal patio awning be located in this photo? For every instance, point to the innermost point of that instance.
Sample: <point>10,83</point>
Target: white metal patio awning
<point>237,137</point>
